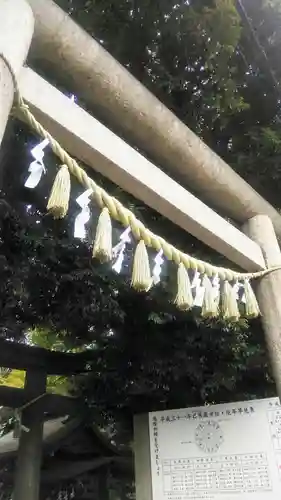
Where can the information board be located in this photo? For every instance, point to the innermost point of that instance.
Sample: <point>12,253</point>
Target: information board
<point>220,452</point>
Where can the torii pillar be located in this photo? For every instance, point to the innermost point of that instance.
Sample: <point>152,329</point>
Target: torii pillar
<point>268,290</point>
<point>16,31</point>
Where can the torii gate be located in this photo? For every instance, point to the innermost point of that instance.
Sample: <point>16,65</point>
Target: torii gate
<point>119,97</point>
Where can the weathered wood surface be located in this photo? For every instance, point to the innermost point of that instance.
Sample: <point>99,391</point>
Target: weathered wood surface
<point>142,458</point>
<point>27,474</point>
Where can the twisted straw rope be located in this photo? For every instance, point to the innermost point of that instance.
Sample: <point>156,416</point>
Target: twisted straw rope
<point>118,211</point>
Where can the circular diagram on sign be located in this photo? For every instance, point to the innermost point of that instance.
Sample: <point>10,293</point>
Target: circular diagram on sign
<point>209,436</point>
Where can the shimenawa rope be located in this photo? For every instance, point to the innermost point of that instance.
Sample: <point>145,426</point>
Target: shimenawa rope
<point>141,278</point>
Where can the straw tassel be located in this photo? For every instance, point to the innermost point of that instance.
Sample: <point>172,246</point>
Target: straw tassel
<point>60,194</point>
<point>141,276</point>
<point>252,309</point>
<point>229,305</point>
<point>184,298</point>
<point>102,249</point>
<point>210,306</point>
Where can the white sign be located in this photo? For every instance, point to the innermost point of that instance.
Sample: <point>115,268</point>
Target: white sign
<point>221,452</point>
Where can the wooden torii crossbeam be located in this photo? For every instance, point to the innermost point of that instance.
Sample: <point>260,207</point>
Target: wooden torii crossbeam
<point>253,248</point>
<point>39,360</point>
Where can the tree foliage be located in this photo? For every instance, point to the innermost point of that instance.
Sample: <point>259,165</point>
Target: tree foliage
<point>200,59</point>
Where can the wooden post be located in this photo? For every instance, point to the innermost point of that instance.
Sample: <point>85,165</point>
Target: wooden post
<point>27,476</point>
<point>16,30</point>
<point>103,487</point>
<point>142,458</point>
<point>260,229</point>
